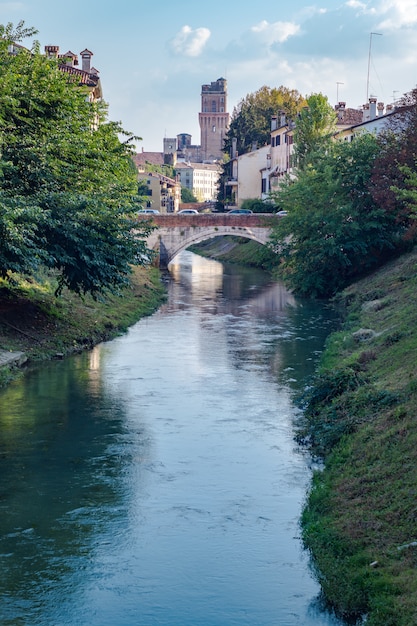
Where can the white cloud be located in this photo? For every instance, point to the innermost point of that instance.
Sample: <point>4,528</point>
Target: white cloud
<point>278,32</point>
<point>355,4</point>
<point>190,42</point>
<point>399,14</point>
<point>362,8</point>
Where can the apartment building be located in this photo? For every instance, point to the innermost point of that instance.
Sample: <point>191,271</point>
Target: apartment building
<point>200,178</point>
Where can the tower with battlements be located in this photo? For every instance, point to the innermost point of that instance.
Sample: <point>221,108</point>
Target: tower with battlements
<point>213,119</point>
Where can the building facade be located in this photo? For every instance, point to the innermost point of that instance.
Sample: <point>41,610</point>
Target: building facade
<point>200,178</point>
<point>163,193</point>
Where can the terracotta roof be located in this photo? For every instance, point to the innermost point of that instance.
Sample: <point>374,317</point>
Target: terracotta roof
<point>155,158</point>
<point>349,117</point>
<point>85,78</point>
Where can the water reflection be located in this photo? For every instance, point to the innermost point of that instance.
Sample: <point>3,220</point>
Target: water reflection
<point>155,480</point>
<point>58,485</point>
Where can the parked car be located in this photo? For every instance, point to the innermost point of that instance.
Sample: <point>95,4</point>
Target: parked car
<point>282,213</point>
<point>188,212</point>
<point>240,212</point>
<point>149,211</point>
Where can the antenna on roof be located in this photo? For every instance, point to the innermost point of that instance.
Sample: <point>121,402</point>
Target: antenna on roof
<point>369,64</point>
<point>337,91</point>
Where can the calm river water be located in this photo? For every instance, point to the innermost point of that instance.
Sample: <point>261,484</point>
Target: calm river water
<point>155,480</point>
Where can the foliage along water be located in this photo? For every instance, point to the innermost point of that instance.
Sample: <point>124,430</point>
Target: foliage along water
<point>155,479</point>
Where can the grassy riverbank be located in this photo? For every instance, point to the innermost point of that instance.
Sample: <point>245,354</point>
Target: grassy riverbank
<point>41,326</point>
<point>237,250</point>
<point>360,521</point>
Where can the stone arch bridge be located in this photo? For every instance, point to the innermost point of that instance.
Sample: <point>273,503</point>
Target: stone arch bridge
<point>174,232</point>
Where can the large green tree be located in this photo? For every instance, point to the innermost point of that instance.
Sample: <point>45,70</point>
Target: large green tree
<point>393,178</point>
<point>251,126</point>
<point>314,129</point>
<point>251,118</point>
<point>334,230</point>
<point>68,186</point>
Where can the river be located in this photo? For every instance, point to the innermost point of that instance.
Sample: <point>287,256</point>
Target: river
<point>155,480</point>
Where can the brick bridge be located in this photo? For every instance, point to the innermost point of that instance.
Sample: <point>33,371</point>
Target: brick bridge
<point>177,232</point>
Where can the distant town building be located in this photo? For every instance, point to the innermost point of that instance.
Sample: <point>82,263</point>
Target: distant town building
<point>200,178</point>
<point>373,118</point>
<point>163,193</point>
<point>186,151</point>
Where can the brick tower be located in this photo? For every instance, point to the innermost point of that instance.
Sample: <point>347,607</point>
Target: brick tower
<point>213,119</point>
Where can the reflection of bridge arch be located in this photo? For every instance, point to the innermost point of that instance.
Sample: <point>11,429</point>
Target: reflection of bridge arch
<point>175,233</point>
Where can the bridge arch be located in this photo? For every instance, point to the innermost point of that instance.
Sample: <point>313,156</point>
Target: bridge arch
<point>174,233</point>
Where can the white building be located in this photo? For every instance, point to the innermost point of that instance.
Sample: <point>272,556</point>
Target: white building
<point>200,178</point>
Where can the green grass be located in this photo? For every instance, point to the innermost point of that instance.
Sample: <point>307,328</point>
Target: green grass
<point>362,508</point>
<point>234,249</point>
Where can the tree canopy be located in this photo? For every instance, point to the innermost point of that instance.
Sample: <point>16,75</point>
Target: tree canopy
<point>251,125</point>
<point>251,118</point>
<point>314,128</point>
<point>334,229</point>
<point>68,185</point>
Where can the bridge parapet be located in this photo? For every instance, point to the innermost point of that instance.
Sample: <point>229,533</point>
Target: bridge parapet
<point>172,220</point>
<point>174,233</point>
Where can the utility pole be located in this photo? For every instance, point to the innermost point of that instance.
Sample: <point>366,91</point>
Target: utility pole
<point>369,64</point>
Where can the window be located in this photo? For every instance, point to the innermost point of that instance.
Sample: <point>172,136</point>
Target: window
<point>278,140</point>
<point>213,106</point>
<point>264,185</point>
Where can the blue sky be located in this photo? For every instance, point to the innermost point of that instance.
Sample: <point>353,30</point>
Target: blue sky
<point>153,57</point>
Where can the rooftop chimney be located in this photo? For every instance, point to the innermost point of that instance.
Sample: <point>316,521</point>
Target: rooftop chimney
<point>340,108</point>
<point>70,58</point>
<point>380,108</point>
<point>274,122</point>
<point>86,60</point>
<point>51,51</point>
<point>372,107</point>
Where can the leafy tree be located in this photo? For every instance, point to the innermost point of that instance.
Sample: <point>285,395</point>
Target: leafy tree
<point>314,129</point>
<point>334,230</point>
<point>251,119</point>
<point>187,195</point>
<point>251,125</point>
<point>393,178</point>
<point>62,165</point>
<point>408,193</point>
<point>258,206</point>
<point>19,252</point>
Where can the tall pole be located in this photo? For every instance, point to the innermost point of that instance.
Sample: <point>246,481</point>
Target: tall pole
<point>337,92</point>
<point>369,65</point>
